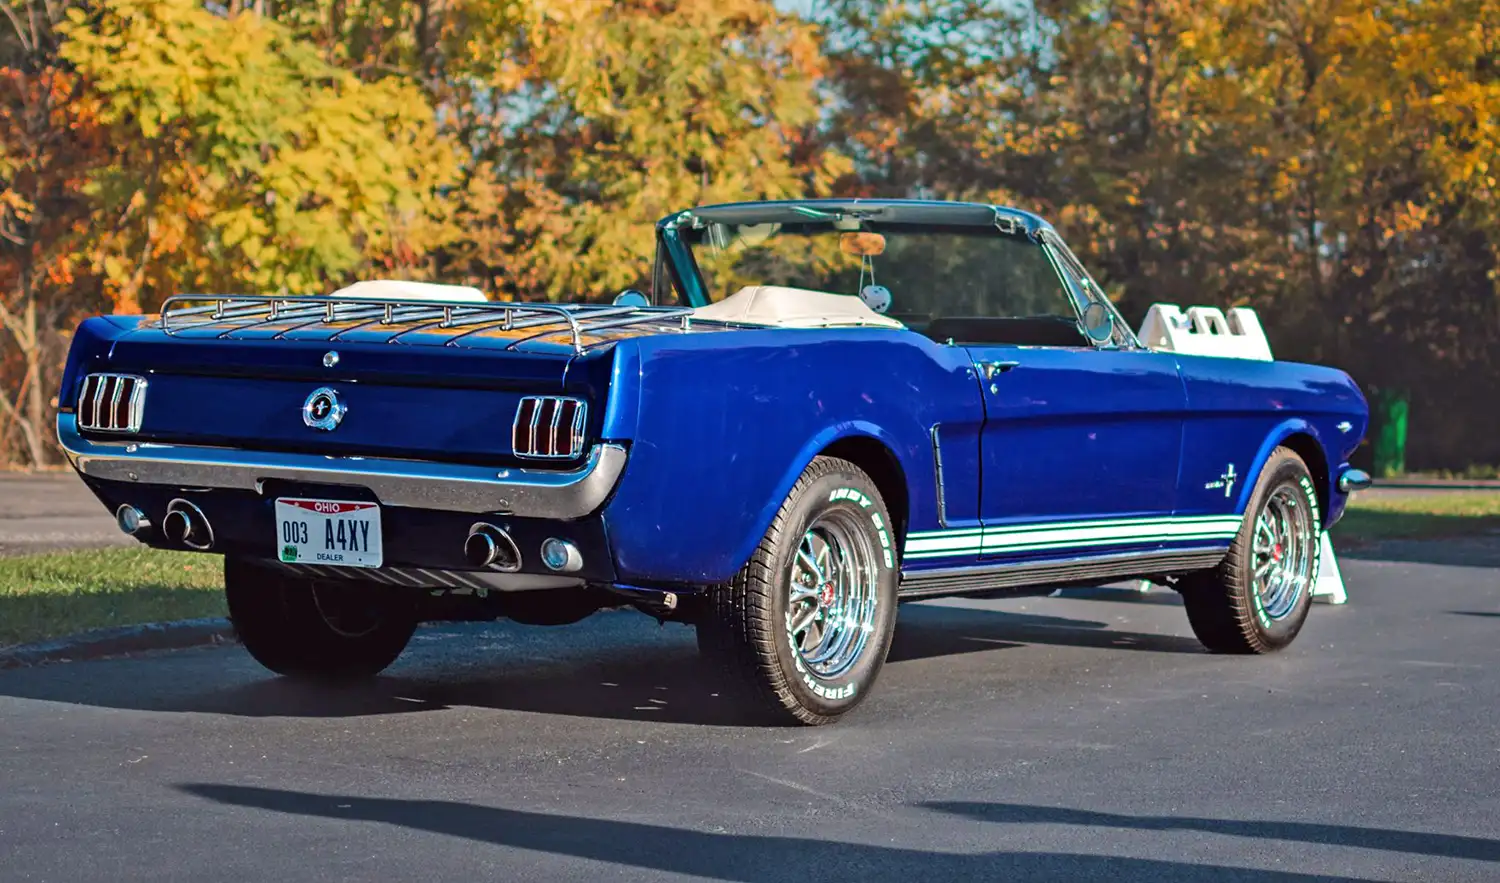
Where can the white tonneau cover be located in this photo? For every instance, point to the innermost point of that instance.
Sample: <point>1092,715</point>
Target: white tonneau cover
<point>398,289</point>
<point>774,305</point>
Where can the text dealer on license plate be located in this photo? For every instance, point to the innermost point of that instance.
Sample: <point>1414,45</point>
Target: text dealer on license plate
<point>332,532</point>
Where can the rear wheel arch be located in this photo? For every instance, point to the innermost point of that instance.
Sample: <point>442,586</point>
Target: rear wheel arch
<point>878,461</point>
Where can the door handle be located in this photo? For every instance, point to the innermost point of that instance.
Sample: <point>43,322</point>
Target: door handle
<point>990,369</point>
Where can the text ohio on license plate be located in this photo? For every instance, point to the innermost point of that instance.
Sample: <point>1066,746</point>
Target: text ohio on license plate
<point>330,532</point>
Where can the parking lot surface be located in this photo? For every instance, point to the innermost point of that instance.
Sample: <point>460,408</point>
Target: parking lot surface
<point>1077,738</point>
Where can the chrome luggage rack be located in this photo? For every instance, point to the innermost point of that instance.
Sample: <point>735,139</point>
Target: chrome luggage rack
<point>239,312</point>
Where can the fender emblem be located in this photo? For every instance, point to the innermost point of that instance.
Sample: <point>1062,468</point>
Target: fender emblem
<point>1225,481</point>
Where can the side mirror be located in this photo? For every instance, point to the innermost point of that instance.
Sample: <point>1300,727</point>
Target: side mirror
<point>632,298</point>
<point>1098,322</point>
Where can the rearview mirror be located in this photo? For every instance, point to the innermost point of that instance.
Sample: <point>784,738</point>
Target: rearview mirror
<point>1098,322</point>
<point>632,298</point>
<point>864,245</point>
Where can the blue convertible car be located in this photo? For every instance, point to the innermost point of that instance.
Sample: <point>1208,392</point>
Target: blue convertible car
<point>821,409</point>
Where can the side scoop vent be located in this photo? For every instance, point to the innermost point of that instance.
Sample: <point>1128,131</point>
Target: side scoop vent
<point>549,428</point>
<point>112,403</point>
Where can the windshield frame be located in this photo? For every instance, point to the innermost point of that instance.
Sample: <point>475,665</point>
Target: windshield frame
<point>676,252</point>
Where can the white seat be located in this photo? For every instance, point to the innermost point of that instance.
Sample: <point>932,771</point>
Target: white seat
<point>399,289</point>
<point>781,307</point>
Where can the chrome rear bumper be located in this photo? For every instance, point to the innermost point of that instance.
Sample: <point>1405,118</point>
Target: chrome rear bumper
<point>451,487</point>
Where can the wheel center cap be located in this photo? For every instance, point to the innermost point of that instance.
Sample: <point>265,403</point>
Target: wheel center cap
<point>827,596</point>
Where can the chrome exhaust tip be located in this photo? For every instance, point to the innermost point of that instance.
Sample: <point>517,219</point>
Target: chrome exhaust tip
<point>131,521</point>
<point>186,525</point>
<point>489,546</point>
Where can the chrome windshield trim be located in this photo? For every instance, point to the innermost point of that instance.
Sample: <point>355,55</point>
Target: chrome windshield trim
<point>454,487</point>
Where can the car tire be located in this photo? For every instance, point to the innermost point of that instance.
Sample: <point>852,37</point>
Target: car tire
<point>1257,599</point>
<point>318,630</point>
<point>802,631</point>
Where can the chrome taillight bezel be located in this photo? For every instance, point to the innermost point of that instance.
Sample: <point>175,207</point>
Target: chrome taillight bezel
<point>549,428</point>
<point>114,403</point>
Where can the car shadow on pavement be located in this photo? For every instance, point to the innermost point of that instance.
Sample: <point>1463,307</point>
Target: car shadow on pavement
<point>1382,839</point>
<point>615,666</point>
<point>746,858</point>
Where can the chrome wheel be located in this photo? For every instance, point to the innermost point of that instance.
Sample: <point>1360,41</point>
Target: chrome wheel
<point>1282,551</point>
<point>830,612</point>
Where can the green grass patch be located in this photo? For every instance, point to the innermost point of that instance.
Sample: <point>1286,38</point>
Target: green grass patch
<point>1376,516</point>
<point>48,596</point>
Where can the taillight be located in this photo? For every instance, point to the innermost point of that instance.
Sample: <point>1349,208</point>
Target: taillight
<point>112,403</point>
<point>548,428</point>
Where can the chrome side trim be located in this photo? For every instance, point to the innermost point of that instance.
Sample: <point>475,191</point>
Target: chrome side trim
<point>1086,568</point>
<point>937,469</point>
<point>453,487</point>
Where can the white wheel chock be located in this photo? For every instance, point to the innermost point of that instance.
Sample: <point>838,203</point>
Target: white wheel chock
<point>1330,584</point>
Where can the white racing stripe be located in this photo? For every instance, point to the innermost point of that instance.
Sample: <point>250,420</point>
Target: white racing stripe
<point>1063,535</point>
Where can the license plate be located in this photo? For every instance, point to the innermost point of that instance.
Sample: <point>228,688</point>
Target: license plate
<point>332,532</point>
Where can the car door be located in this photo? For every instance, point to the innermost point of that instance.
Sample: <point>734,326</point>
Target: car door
<point>1081,442</point>
<point>1079,451</point>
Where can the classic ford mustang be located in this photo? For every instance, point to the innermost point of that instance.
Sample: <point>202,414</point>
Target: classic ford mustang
<point>820,409</point>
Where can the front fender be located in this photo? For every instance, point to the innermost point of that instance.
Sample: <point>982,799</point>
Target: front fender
<point>1327,482</point>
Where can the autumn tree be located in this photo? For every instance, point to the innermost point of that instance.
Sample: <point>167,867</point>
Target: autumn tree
<point>245,162</point>
<point>48,144</point>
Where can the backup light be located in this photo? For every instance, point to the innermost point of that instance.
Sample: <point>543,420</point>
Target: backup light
<point>561,555</point>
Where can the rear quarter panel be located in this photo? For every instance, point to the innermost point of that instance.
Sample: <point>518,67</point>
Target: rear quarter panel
<point>722,424</point>
<point>1240,410</point>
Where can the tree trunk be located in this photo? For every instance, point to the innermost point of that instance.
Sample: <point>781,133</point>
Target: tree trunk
<point>29,408</point>
<point>36,399</point>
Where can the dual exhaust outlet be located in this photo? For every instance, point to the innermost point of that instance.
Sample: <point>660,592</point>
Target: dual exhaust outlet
<point>184,525</point>
<point>492,548</point>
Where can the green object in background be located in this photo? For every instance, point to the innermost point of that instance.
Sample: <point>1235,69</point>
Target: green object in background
<point>1390,433</point>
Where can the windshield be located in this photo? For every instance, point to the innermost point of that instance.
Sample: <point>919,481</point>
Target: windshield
<point>971,284</point>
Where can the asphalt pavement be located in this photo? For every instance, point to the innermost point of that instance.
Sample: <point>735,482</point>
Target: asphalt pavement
<point>1077,738</point>
<point>50,511</point>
